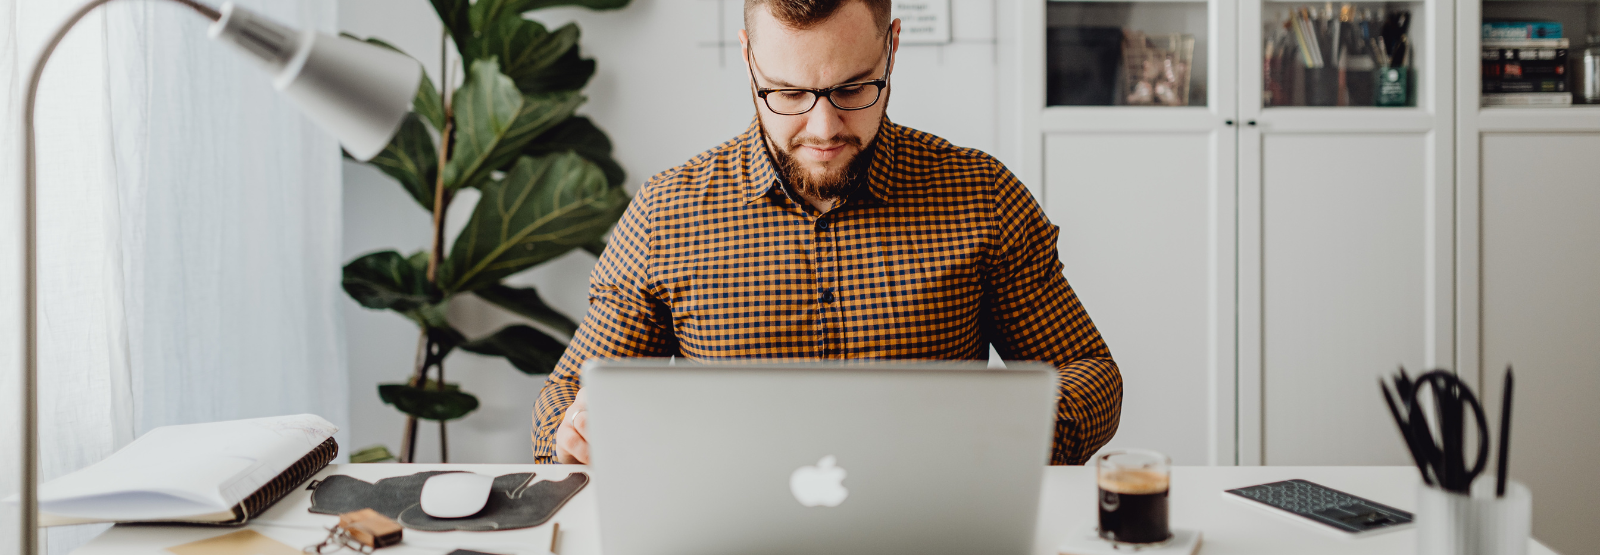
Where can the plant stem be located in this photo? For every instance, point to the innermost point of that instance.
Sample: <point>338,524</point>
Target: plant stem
<point>408,440</point>
<point>440,199</point>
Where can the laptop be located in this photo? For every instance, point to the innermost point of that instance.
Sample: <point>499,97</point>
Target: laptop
<point>836,457</point>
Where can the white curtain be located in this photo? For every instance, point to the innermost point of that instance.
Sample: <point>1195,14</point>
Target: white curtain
<point>189,236</point>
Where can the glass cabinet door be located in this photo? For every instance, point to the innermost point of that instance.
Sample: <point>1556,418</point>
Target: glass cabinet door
<point>1126,53</point>
<point>1540,53</point>
<point>1345,54</point>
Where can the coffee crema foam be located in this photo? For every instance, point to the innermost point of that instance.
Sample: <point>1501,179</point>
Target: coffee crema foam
<point>1134,482</point>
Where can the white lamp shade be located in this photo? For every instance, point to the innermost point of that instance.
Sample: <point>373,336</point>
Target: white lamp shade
<point>356,91</point>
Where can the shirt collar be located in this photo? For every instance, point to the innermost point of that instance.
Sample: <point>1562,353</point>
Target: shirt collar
<point>762,176</point>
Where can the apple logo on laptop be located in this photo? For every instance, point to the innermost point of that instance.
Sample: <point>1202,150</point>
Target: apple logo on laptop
<point>819,486</point>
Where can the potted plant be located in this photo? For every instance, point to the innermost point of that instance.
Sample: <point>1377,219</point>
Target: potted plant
<point>547,185</point>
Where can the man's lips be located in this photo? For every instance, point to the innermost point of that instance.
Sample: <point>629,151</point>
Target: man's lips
<point>823,154</point>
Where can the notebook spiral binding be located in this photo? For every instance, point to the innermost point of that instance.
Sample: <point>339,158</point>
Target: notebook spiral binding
<point>279,487</point>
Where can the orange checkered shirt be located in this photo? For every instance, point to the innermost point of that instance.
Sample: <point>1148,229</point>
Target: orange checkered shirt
<point>940,253</point>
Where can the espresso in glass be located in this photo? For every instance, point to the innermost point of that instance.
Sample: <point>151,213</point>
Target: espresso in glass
<point>1133,486</point>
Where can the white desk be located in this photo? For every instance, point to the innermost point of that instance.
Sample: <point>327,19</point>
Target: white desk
<point>1069,493</point>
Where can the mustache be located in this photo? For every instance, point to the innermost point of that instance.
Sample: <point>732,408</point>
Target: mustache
<point>838,140</point>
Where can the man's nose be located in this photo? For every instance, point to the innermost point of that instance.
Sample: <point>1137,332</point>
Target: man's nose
<point>824,121</point>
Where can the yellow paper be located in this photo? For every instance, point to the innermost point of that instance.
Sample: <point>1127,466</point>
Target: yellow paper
<point>243,542</point>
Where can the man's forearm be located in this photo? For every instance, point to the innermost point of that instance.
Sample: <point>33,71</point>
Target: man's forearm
<point>1089,408</point>
<point>553,401</point>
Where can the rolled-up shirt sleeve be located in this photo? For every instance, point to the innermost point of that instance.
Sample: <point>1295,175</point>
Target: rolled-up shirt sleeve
<point>1034,315</point>
<point>626,319</point>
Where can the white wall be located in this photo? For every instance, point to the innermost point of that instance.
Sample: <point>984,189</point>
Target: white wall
<point>670,85</point>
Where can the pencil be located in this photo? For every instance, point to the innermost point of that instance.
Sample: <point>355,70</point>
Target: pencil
<point>1505,437</point>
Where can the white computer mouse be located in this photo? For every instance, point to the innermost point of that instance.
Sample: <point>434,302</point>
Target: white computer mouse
<point>455,494</point>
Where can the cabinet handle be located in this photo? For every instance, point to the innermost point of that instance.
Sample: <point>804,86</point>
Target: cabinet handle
<point>1251,123</point>
<point>1227,122</point>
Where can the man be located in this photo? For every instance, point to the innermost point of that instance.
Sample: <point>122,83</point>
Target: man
<point>826,231</point>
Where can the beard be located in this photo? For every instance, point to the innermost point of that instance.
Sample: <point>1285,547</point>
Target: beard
<point>829,184</point>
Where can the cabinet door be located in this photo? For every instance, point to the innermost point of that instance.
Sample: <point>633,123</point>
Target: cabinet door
<point>1146,240</point>
<point>1346,246</point>
<point>1140,177</point>
<point>1541,311</point>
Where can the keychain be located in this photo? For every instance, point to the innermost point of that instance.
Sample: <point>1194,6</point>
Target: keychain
<point>362,531</point>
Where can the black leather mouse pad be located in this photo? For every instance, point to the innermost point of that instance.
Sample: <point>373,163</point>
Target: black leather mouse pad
<point>514,501</point>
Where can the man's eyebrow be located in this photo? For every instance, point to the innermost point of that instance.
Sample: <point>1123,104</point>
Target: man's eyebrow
<point>853,79</point>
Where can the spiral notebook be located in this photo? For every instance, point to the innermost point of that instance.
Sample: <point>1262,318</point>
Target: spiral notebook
<point>220,473</point>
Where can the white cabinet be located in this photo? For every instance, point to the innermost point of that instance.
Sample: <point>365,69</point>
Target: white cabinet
<point>1529,271</point>
<point>1252,268</point>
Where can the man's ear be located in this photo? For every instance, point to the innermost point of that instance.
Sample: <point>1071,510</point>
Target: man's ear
<point>744,47</point>
<point>894,38</point>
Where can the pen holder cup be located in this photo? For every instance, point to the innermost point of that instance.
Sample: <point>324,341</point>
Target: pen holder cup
<point>1481,524</point>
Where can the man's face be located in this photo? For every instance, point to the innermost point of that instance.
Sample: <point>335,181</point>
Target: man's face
<point>816,149</point>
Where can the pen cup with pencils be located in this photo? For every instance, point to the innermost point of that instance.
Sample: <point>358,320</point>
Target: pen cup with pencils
<point>1451,523</point>
<point>1457,513</point>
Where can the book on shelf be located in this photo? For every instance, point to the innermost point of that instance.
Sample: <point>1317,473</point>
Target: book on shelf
<point>1515,30</point>
<point>214,473</point>
<point>1524,85</point>
<point>1527,99</point>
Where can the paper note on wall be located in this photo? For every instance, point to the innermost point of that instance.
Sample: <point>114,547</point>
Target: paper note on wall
<point>923,21</point>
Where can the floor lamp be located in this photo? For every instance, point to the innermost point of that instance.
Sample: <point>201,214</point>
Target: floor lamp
<point>355,91</point>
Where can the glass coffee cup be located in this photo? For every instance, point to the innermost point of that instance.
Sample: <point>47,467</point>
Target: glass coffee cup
<point>1133,486</point>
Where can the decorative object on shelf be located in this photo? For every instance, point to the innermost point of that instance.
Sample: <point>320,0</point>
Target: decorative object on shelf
<point>1338,57</point>
<point>1589,72</point>
<point>548,185</point>
<point>1156,70</point>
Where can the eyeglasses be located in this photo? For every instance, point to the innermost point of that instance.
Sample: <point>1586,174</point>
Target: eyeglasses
<point>848,97</point>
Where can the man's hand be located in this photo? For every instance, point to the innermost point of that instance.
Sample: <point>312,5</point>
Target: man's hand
<point>572,443</point>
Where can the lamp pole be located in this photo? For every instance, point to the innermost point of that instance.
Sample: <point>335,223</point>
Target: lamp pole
<point>355,91</point>
<point>30,280</point>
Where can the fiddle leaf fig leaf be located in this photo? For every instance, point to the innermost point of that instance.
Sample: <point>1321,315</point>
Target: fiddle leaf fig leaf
<point>580,135</point>
<point>544,207</point>
<point>528,349</point>
<point>429,402</point>
<point>492,10</point>
<point>411,159</point>
<point>429,104</point>
<point>526,302</point>
<point>457,20</point>
<point>596,247</point>
<point>523,47</point>
<point>387,281</point>
<point>568,73</point>
<point>494,121</point>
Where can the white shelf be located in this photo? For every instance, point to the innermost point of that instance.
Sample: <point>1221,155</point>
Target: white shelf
<point>1537,119</point>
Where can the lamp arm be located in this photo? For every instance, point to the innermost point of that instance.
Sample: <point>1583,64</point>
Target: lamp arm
<point>29,508</point>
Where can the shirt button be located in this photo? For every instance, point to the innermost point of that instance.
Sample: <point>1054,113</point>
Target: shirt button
<point>826,296</point>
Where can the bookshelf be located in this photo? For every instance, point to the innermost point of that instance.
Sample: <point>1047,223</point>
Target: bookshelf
<point>1194,233</point>
<point>1526,182</point>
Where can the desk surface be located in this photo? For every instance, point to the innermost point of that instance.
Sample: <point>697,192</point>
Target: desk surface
<point>1069,493</point>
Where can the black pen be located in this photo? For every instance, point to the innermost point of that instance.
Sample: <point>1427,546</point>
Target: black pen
<point>1405,433</point>
<point>1505,437</point>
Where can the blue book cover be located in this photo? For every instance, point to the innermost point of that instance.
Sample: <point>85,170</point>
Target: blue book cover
<point>1518,30</point>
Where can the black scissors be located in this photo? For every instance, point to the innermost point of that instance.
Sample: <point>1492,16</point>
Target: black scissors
<point>1445,454</point>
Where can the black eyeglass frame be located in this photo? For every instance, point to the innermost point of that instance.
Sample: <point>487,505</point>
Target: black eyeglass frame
<point>819,94</point>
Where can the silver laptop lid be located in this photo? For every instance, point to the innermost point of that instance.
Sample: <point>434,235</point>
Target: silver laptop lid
<point>818,456</point>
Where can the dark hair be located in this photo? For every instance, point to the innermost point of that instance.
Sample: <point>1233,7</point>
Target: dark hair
<point>805,14</point>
